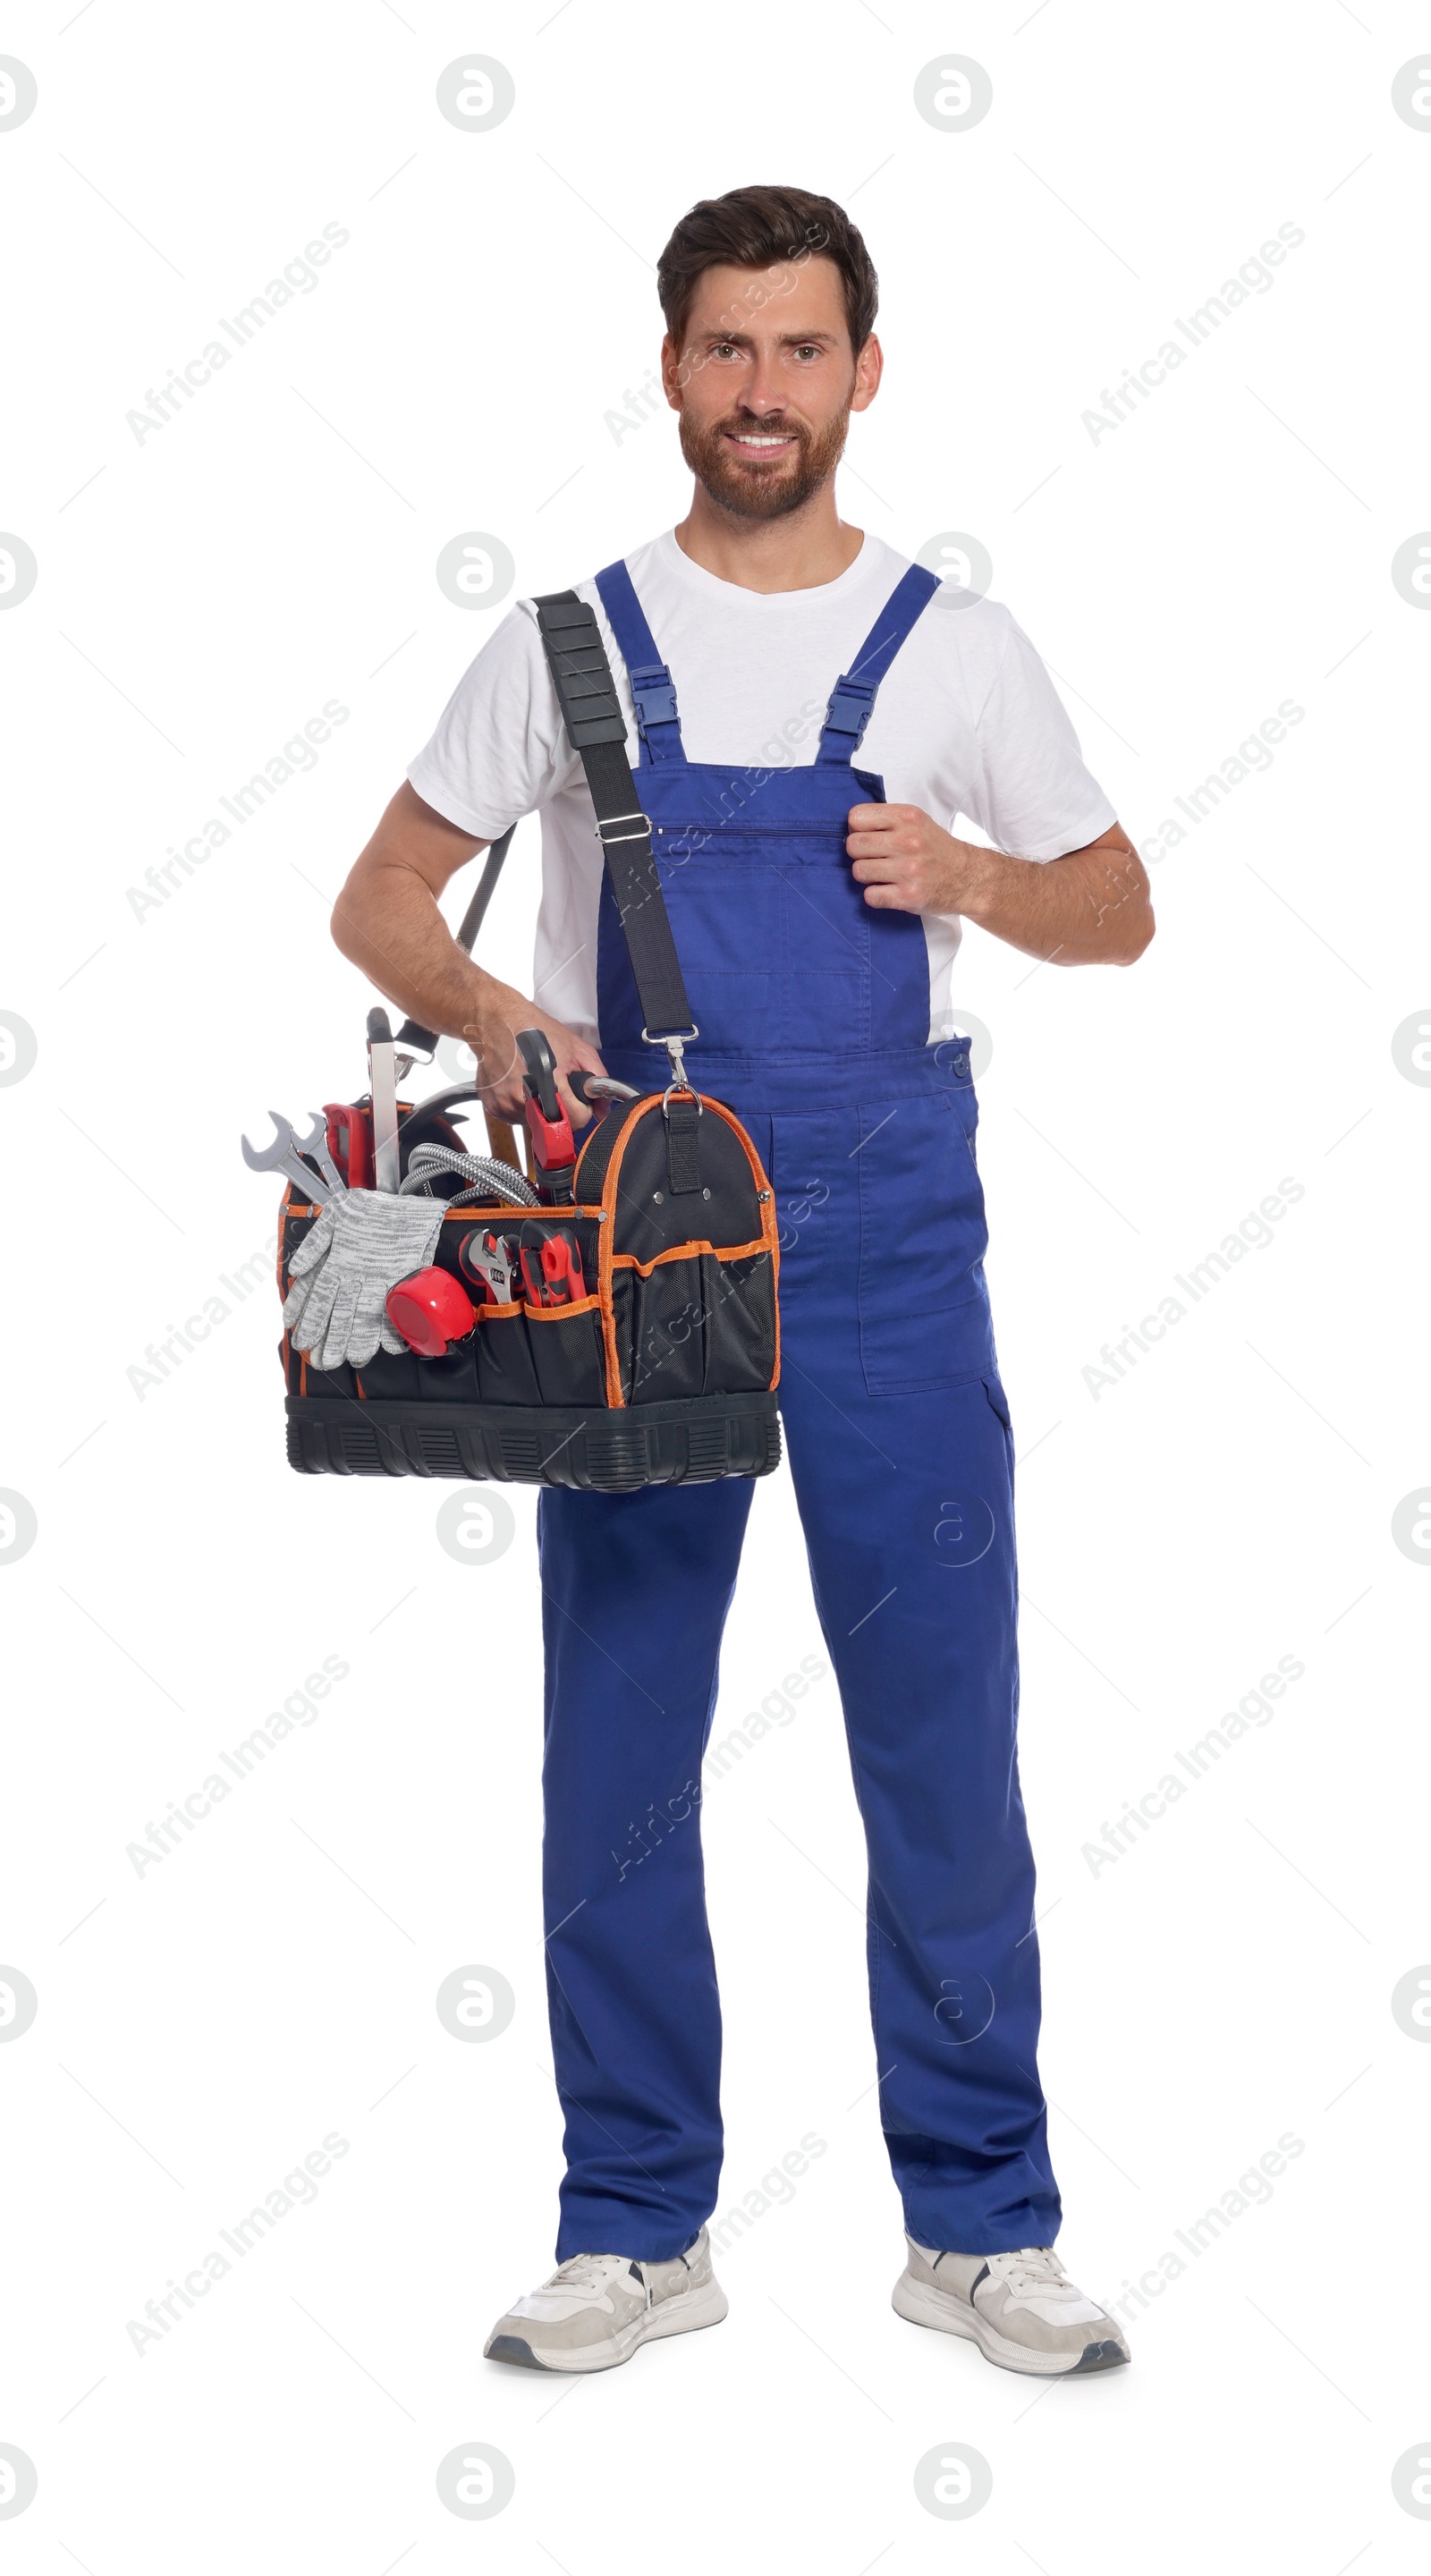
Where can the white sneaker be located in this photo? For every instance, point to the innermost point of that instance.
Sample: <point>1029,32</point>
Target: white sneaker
<point>1020,2309</point>
<point>597,2309</point>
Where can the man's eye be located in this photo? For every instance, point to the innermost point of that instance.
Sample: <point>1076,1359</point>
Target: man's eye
<point>810,350</point>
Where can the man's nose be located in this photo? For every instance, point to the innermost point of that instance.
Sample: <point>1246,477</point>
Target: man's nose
<point>761,394</point>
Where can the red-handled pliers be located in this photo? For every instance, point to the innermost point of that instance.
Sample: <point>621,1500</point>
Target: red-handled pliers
<point>551,1265</point>
<point>549,1127</point>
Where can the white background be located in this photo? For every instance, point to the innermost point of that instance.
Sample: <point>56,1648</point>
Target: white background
<point>1227,1502</point>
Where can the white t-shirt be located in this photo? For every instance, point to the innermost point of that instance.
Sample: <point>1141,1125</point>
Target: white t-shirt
<point>967,723</point>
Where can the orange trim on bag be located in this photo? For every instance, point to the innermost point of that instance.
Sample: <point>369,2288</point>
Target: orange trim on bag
<point>556,1314</point>
<point>688,1252</point>
<point>480,1215</point>
<point>607,1258</point>
<point>769,1227</point>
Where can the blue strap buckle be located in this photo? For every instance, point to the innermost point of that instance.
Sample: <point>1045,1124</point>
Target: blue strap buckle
<point>849,709</point>
<point>653,693</point>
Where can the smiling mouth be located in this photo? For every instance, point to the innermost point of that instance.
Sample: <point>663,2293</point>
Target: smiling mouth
<point>760,445</point>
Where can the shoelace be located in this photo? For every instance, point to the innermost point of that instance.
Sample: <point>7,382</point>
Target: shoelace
<point>589,2271</point>
<point>1032,2267</point>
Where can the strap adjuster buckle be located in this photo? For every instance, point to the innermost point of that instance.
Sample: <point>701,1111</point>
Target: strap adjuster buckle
<point>604,833</point>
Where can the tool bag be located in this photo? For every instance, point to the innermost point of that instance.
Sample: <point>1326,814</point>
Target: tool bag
<point>665,1371</point>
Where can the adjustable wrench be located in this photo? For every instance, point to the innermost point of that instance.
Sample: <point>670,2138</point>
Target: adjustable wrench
<point>283,1156</point>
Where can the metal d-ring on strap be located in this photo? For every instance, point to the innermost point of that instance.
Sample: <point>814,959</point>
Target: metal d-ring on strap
<point>675,1046</point>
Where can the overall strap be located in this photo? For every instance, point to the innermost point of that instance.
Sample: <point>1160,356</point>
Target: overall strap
<point>853,696</point>
<point>591,711</point>
<point>652,687</point>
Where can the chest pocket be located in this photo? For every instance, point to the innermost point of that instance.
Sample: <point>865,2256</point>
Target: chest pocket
<point>923,1305</point>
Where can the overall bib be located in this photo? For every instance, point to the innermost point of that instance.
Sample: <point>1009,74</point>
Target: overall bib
<point>813,1011</point>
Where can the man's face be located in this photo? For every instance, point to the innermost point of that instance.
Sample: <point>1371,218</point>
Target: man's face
<point>765,382</point>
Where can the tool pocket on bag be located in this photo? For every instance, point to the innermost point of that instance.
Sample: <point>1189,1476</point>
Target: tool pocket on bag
<point>923,1305</point>
<point>695,1324</point>
<point>739,1301</point>
<point>566,1350</point>
<point>506,1371</point>
<point>663,1344</point>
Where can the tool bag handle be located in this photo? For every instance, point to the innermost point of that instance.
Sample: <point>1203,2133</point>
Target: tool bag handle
<point>591,712</point>
<point>412,1035</point>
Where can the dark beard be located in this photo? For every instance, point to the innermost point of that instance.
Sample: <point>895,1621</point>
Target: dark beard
<point>763,492</point>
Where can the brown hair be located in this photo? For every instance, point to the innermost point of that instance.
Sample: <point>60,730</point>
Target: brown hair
<point>757,228</point>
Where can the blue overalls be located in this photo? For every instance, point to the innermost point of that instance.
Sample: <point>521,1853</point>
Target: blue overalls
<point>813,1012</point>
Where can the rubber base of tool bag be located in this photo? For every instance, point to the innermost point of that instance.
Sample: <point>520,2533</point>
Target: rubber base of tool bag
<point>681,1443</point>
<point>663,1373</point>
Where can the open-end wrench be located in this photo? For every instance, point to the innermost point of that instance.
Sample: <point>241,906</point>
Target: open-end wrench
<point>283,1156</point>
<point>316,1144</point>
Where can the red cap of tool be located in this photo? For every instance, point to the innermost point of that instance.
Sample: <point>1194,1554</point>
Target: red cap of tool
<point>430,1310</point>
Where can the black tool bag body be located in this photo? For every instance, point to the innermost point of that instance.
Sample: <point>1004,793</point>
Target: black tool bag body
<point>665,1371</point>
<point>664,1374</point>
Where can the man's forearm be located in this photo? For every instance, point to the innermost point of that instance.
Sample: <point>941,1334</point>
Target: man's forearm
<point>388,923</point>
<point>1091,908</point>
<point>387,920</point>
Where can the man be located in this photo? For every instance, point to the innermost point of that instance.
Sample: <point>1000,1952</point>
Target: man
<point>817,925</point>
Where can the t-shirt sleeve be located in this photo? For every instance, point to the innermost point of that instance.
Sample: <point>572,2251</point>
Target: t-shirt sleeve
<point>500,749</point>
<point>1031,792</point>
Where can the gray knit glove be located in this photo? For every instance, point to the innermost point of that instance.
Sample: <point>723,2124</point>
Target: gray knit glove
<point>362,1245</point>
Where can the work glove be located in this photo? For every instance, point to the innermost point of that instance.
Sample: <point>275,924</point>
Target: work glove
<point>364,1242</point>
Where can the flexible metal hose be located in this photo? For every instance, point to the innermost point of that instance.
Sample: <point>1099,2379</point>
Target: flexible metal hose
<point>489,1179</point>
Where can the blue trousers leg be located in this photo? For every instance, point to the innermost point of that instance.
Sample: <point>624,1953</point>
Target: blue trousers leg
<point>911,1555</point>
<point>635,1593</point>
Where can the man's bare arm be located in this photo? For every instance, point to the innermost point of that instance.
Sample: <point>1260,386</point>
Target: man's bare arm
<point>387,921</point>
<point>1091,907</point>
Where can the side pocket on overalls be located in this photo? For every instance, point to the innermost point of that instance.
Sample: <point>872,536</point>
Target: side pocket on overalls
<point>923,1306</point>
<point>999,1405</point>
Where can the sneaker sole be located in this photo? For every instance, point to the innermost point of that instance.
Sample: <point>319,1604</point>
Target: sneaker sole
<point>926,2307</point>
<point>684,2315</point>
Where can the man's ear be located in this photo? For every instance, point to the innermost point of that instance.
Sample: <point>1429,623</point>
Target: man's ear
<point>672,376</point>
<point>869,367</point>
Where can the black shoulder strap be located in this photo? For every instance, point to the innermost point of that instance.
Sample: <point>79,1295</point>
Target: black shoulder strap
<point>591,710</point>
